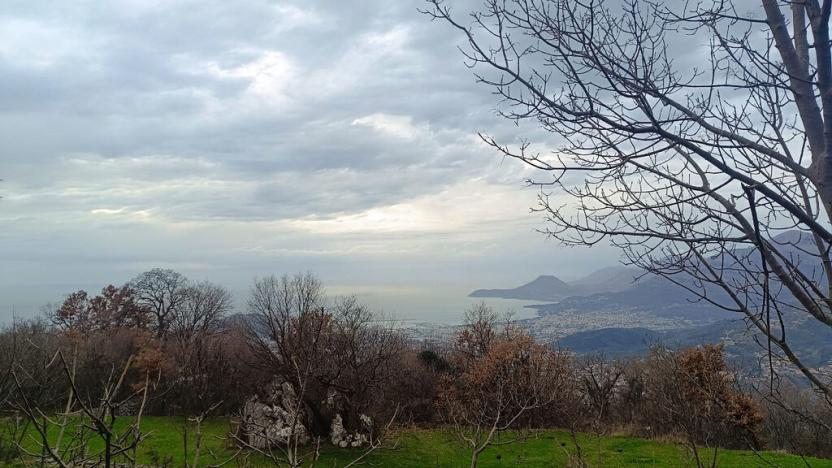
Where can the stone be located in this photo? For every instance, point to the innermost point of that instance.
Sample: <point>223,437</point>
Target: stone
<point>274,419</point>
<point>340,437</point>
<point>267,420</point>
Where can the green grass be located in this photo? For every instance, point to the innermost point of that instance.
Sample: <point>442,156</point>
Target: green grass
<point>438,448</point>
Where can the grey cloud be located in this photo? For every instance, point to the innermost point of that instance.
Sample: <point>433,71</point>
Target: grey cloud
<point>139,133</point>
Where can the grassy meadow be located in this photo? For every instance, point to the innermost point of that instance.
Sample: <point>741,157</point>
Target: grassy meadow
<point>417,448</point>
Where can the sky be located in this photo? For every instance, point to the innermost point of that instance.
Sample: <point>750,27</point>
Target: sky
<point>231,140</point>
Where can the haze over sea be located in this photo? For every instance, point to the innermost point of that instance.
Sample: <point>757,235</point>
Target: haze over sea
<point>441,305</point>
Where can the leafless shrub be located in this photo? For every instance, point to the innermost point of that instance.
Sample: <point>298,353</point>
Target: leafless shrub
<point>599,380</point>
<point>798,421</point>
<point>81,419</point>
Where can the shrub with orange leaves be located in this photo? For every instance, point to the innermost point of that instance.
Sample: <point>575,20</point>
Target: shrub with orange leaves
<point>693,392</point>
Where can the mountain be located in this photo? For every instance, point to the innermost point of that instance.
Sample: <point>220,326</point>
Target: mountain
<point>609,279</point>
<point>650,290</point>
<point>742,345</point>
<point>551,288</point>
<point>619,342</point>
<point>653,294</point>
<point>544,288</point>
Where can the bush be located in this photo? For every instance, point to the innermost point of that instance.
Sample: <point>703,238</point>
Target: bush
<point>691,392</point>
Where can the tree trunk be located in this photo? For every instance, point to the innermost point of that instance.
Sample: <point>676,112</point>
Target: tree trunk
<point>474,457</point>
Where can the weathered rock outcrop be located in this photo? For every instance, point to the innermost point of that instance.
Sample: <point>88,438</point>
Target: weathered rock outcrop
<point>279,418</point>
<point>340,437</point>
<point>275,419</point>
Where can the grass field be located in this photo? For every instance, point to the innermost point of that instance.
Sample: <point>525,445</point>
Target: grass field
<point>415,448</point>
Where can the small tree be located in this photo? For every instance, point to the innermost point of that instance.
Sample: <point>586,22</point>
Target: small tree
<point>498,388</point>
<point>692,391</point>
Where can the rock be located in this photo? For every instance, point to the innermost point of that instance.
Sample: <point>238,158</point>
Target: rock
<point>274,419</point>
<point>337,433</point>
<point>340,437</point>
<point>268,420</point>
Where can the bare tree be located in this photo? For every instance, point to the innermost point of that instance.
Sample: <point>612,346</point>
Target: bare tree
<point>366,355</point>
<point>290,336</point>
<point>201,309</point>
<point>10,431</point>
<point>599,380</point>
<point>8,358</point>
<point>693,135</point>
<point>64,438</point>
<point>333,362</point>
<point>478,333</point>
<point>162,293</point>
<point>202,350</point>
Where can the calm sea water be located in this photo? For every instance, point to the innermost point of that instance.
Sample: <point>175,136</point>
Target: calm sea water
<point>439,305</point>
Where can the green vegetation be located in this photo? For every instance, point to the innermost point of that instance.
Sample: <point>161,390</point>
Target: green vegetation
<point>439,448</point>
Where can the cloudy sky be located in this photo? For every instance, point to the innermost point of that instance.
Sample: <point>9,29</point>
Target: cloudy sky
<point>229,140</point>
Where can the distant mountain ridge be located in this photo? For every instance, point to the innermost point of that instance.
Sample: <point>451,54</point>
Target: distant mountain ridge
<point>543,288</point>
<point>814,344</point>
<point>652,294</point>
<point>552,288</point>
